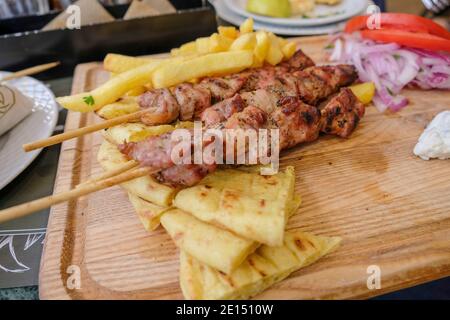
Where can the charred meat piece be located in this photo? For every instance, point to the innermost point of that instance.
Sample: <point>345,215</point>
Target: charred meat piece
<point>162,107</point>
<point>185,175</point>
<point>278,83</point>
<point>192,100</point>
<point>251,118</point>
<point>259,79</point>
<point>297,122</point>
<point>298,61</point>
<point>223,88</point>
<point>222,110</point>
<point>341,114</point>
<point>317,83</point>
<point>261,99</point>
<point>154,151</point>
<point>264,77</point>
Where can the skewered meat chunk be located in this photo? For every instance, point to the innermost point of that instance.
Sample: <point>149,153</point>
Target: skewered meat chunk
<point>223,88</point>
<point>185,175</point>
<point>223,110</point>
<point>298,61</point>
<point>341,114</point>
<point>297,122</point>
<point>318,83</point>
<point>251,118</point>
<point>155,152</point>
<point>191,101</point>
<point>162,106</point>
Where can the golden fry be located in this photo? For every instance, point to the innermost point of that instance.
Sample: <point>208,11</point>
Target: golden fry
<point>115,88</point>
<point>246,41</point>
<point>289,49</point>
<point>117,63</point>
<point>247,26</point>
<point>208,65</point>
<point>228,32</point>
<point>120,108</point>
<point>274,56</point>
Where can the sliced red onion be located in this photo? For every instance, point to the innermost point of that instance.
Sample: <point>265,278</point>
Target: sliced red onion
<point>392,67</point>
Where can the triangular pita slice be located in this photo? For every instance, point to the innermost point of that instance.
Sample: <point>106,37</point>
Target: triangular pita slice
<point>214,246</point>
<point>262,269</point>
<point>211,245</point>
<point>148,213</point>
<point>250,205</point>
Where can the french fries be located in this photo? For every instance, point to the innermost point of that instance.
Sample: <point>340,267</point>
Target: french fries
<point>261,48</point>
<point>120,108</point>
<point>247,26</point>
<point>112,90</point>
<point>228,32</point>
<point>266,46</point>
<point>275,55</point>
<point>246,41</point>
<point>117,63</point>
<point>207,65</point>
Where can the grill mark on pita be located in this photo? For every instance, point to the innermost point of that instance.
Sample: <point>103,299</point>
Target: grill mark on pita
<point>252,264</point>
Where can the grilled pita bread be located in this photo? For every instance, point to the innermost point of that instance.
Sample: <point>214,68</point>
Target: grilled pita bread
<point>262,269</point>
<point>214,246</point>
<point>247,204</point>
<point>211,245</point>
<point>148,213</point>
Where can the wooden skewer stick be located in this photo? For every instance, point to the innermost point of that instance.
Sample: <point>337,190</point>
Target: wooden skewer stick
<point>111,173</point>
<point>82,131</point>
<point>36,205</point>
<point>30,71</point>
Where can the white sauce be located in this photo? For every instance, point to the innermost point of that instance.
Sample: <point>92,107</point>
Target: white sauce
<point>435,140</point>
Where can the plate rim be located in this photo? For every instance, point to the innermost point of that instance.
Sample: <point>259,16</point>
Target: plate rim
<point>33,154</point>
<point>293,22</point>
<point>232,17</point>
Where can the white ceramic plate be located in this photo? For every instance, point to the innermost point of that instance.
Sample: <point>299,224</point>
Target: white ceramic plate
<point>226,14</point>
<point>323,14</point>
<point>38,125</point>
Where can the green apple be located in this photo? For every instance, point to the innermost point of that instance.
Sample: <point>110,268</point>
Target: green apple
<point>272,8</point>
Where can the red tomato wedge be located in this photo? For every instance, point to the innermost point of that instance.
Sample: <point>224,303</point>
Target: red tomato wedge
<point>400,21</point>
<point>409,39</point>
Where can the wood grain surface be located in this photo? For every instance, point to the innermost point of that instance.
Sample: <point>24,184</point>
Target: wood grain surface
<point>391,209</point>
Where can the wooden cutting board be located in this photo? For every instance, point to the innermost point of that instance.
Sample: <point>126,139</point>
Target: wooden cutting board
<point>391,208</point>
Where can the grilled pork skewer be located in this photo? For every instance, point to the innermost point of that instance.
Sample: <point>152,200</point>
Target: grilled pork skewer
<point>187,101</point>
<point>297,122</point>
<point>311,86</point>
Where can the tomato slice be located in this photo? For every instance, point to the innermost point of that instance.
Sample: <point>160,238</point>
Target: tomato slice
<point>400,21</point>
<point>409,39</point>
